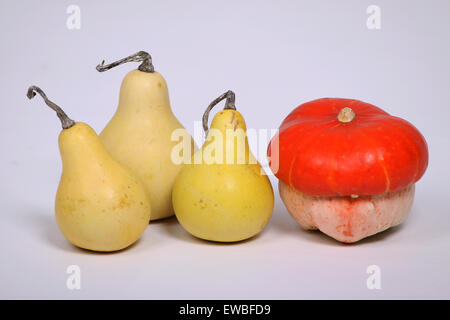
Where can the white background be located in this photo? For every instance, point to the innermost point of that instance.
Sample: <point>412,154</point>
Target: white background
<point>275,55</point>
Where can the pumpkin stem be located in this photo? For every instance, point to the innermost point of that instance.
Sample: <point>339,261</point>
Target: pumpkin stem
<point>346,115</point>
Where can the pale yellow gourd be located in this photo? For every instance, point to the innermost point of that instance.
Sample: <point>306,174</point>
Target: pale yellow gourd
<point>139,133</point>
<point>224,195</point>
<point>100,205</point>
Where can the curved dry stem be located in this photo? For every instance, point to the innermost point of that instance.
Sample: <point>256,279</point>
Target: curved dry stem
<point>66,122</point>
<point>229,104</point>
<point>141,56</point>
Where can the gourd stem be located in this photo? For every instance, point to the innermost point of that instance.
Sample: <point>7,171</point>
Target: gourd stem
<point>141,56</point>
<point>66,122</point>
<point>346,115</point>
<point>229,104</point>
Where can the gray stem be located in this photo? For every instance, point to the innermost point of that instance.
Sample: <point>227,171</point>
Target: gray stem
<point>229,104</point>
<point>66,122</point>
<point>141,56</point>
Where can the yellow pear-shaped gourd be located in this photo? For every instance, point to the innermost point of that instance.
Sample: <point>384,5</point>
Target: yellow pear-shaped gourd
<point>224,194</point>
<point>101,204</point>
<point>140,133</point>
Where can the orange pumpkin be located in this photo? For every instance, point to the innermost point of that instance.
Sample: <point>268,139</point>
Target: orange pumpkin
<point>347,150</point>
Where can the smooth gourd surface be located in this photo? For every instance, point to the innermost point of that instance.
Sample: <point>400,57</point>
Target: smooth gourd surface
<point>139,136</point>
<point>222,201</point>
<point>101,205</point>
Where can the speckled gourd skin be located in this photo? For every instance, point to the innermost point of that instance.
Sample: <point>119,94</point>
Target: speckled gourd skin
<point>224,202</point>
<point>100,205</point>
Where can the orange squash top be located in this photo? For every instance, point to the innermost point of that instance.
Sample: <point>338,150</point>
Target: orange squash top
<point>340,147</point>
